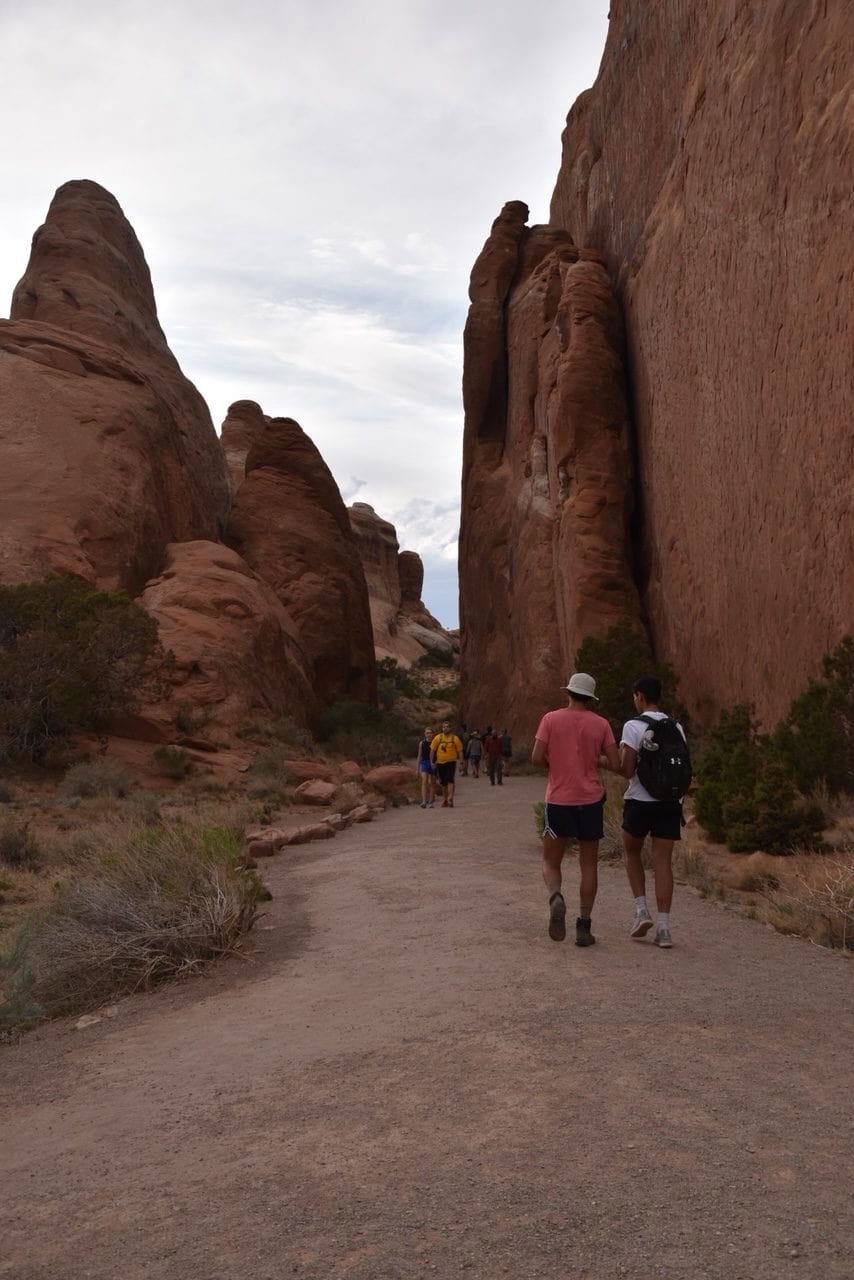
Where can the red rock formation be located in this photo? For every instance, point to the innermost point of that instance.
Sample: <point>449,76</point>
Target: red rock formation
<point>404,629</point>
<point>290,524</point>
<point>108,451</point>
<point>711,164</point>
<point>547,474</point>
<point>243,425</point>
<point>235,649</point>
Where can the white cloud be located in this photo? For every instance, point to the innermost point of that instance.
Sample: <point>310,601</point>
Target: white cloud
<point>311,185</point>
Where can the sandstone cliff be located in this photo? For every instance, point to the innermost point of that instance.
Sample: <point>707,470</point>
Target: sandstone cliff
<point>404,629</point>
<point>289,523</point>
<point>547,471</point>
<point>108,451</point>
<point>711,168</point>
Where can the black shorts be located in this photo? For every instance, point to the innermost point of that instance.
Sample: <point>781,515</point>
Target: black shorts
<point>579,821</point>
<point>661,818</point>
<point>446,772</point>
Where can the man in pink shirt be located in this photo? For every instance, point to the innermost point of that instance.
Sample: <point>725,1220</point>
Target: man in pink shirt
<point>570,743</point>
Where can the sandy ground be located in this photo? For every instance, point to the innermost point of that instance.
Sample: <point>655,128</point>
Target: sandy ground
<point>409,1079</point>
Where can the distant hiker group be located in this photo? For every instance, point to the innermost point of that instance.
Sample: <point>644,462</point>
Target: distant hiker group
<point>439,755</point>
<point>573,744</point>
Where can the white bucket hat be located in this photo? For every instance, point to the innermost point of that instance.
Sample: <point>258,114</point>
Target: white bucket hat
<point>583,685</point>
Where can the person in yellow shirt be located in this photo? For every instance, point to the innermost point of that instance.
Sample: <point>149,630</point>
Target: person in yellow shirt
<point>445,750</point>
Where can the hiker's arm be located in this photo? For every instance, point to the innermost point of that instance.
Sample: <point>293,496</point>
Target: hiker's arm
<point>539,753</point>
<point>610,758</point>
<point>628,760</point>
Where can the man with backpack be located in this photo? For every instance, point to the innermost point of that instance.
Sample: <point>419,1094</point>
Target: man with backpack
<point>654,757</point>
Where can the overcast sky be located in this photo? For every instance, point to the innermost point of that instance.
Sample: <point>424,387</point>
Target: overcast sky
<point>311,183</point>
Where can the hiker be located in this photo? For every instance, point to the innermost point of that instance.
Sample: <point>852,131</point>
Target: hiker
<point>425,771</point>
<point>494,759</point>
<point>463,735</point>
<point>445,750</point>
<point>654,757</point>
<point>506,751</point>
<point>570,742</point>
<point>474,751</point>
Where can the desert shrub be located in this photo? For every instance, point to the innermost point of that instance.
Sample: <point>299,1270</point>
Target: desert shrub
<point>71,657</point>
<point>365,734</point>
<point>268,776</point>
<point>161,904</point>
<point>616,660</point>
<point>191,720</point>
<point>18,846</point>
<point>396,679</point>
<point>172,762</point>
<point>435,658</point>
<point>96,778</point>
<point>816,740</point>
<point>284,730</point>
<point>728,770</point>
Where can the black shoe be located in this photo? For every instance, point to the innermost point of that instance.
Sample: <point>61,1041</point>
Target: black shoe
<point>583,936</point>
<point>557,917</point>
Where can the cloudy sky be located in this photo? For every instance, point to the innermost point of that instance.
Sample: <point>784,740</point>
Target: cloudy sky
<point>311,181</point>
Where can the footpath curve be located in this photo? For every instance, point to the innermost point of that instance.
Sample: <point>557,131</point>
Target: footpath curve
<point>409,1079</point>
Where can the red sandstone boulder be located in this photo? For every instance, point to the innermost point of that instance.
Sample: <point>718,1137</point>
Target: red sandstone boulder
<point>290,524</point>
<point>392,779</point>
<point>235,650</point>
<point>108,451</point>
<point>315,791</point>
<point>308,770</point>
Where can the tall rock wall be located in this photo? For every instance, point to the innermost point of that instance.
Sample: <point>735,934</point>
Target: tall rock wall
<point>712,165</point>
<point>108,451</point>
<point>547,471</point>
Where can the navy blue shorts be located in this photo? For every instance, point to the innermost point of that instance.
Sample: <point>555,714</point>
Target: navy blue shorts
<point>578,821</point>
<point>659,818</point>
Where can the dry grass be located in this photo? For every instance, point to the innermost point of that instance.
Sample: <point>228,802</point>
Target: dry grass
<point>155,905</point>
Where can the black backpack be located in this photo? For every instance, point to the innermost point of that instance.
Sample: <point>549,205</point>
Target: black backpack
<point>664,765</point>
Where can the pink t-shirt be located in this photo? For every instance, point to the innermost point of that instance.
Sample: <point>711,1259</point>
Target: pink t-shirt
<point>575,740</point>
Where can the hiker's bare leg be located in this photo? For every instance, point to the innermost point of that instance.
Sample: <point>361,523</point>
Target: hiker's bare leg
<point>588,862</point>
<point>554,848</point>
<point>662,863</point>
<point>633,847</point>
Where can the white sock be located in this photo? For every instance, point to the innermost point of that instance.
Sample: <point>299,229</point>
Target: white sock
<point>664,919</point>
<point>640,904</point>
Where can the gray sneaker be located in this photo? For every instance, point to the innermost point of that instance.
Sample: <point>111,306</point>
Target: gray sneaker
<point>662,938</point>
<point>641,925</point>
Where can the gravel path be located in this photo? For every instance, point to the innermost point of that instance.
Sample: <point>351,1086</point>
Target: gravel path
<point>409,1079</point>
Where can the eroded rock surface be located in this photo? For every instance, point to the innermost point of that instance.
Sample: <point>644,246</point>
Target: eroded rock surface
<point>243,425</point>
<point>547,471</point>
<point>403,627</point>
<point>711,164</point>
<point>235,647</point>
<point>289,522</point>
<point>108,451</point>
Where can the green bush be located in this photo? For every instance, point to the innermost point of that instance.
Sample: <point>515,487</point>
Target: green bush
<point>366,734</point>
<point>435,658</point>
<point>616,660</point>
<point>816,740</point>
<point>72,657</point>
<point>164,902</point>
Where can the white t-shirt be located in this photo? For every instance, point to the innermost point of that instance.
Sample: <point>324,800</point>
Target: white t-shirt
<point>632,736</point>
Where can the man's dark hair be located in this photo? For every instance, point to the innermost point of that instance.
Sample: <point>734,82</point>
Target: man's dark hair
<point>582,698</point>
<point>649,686</point>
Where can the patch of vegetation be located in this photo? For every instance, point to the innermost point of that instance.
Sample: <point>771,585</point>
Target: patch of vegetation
<point>191,720</point>
<point>284,730</point>
<point>19,847</point>
<point>96,778</point>
<point>616,660</point>
<point>435,658</point>
<point>172,762</point>
<point>72,657</point>
<point>757,791</point>
<point>268,776</point>
<point>365,734</point>
<point>160,904</point>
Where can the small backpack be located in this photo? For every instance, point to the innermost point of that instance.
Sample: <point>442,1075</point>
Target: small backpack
<point>664,765</point>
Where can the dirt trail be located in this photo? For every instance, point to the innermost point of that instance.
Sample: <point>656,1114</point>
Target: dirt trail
<point>409,1079</point>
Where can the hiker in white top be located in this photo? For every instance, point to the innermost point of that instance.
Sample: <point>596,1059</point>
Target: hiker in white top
<point>645,814</point>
